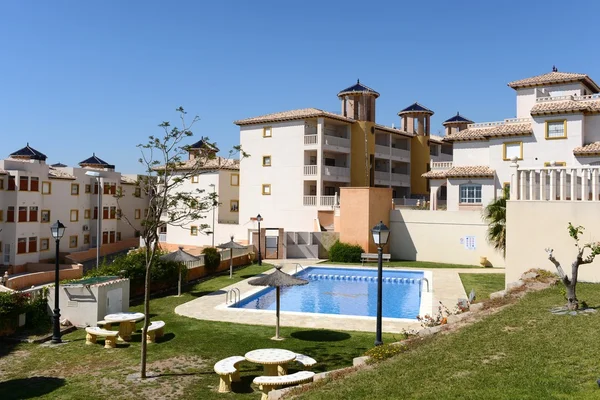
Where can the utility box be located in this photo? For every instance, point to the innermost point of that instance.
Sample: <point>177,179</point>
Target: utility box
<point>87,301</point>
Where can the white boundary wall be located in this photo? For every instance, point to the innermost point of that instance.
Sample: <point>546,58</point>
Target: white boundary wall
<point>441,236</point>
<point>533,226</point>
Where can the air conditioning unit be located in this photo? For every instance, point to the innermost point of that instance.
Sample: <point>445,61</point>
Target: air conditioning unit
<point>86,228</point>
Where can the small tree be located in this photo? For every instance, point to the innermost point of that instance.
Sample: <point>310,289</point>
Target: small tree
<point>494,215</point>
<point>166,171</point>
<point>570,284</point>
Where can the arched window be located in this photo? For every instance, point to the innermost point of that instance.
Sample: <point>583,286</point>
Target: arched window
<point>470,193</point>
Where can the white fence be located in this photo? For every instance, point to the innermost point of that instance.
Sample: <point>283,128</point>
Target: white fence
<point>557,183</point>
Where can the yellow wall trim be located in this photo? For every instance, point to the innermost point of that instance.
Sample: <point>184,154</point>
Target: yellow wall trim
<point>504,150</point>
<point>564,121</point>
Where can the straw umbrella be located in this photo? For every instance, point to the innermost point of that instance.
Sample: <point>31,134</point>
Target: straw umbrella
<point>231,245</point>
<point>278,279</point>
<point>180,257</point>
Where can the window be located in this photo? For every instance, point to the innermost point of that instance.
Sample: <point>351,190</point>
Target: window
<point>45,216</point>
<point>433,150</point>
<point>193,230</point>
<point>470,194</point>
<point>88,188</point>
<point>105,212</point>
<point>556,129</point>
<point>266,161</point>
<point>267,131</point>
<point>330,162</point>
<point>118,236</point>
<point>24,183</point>
<point>95,212</point>
<point>194,178</point>
<point>96,188</point>
<point>234,179</point>
<point>32,245</point>
<point>75,189</point>
<point>87,213</point>
<point>266,189</point>
<point>73,241</point>
<point>22,214</point>
<point>138,213</point>
<point>1,215</point>
<point>145,213</point>
<point>33,214</point>
<point>119,213</point>
<point>234,205</point>
<point>46,187</point>
<point>556,164</point>
<point>86,239</point>
<point>10,214</point>
<point>11,183</point>
<point>113,189</point>
<point>137,192</point>
<point>74,215</point>
<point>35,184</point>
<point>44,244</point>
<point>104,237</point>
<point>21,246</point>
<point>113,212</point>
<point>511,150</point>
<point>111,237</point>
<point>106,189</point>
<point>1,183</point>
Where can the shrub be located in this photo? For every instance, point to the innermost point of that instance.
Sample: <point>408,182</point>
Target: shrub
<point>13,303</point>
<point>385,351</point>
<point>212,258</point>
<point>344,252</point>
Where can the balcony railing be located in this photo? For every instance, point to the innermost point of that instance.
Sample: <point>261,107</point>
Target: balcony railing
<point>336,171</point>
<point>557,183</point>
<point>309,200</point>
<point>328,201</point>
<point>311,139</point>
<point>310,170</point>
<point>336,141</point>
<point>162,237</point>
<point>441,165</point>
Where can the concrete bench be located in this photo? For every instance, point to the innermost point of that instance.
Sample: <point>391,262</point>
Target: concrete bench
<point>92,333</point>
<point>366,257</point>
<point>228,372</point>
<point>105,324</point>
<point>155,331</point>
<point>305,361</point>
<point>268,383</point>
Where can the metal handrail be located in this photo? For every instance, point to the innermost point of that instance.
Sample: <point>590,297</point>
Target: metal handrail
<point>233,293</point>
<point>426,280</point>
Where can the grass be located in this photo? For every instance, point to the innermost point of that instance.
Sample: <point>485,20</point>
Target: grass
<point>522,352</point>
<point>484,284</point>
<point>184,358</point>
<point>410,264</point>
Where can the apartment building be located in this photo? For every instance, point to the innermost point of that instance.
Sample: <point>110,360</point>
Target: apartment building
<point>557,128</point>
<point>219,175</point>
<point>34,195</point>
<point>301,158</point>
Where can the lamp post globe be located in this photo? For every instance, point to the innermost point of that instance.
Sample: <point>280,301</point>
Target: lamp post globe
<point>58,231</point>
<point>259,218</point>
<point>381,234</point>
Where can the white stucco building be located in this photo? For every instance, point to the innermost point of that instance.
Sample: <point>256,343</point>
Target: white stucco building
<point>34,195</point>
<point>557,125</point>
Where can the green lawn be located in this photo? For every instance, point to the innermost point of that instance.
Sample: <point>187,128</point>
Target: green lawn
<point>484,284</point>
<point>411,264</point>
<point>185,357</point>
<point>523,352</point>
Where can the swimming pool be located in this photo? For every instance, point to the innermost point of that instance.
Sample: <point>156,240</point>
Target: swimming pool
<point>346,291</point>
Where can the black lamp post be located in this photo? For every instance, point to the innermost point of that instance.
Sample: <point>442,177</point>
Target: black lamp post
<point>259,218</point>
<point>58,230</point>
<point>381,234</point>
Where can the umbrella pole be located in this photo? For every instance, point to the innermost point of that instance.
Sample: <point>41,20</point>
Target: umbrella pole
<point>277,322</point>
<point>179,283</point>
<point>231,263</point>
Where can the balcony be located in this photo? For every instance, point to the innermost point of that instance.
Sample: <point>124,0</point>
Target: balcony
<point>338,174</point>
<point>392,179</point>
<point>387,153</point>
<point>310,170</point>
<point>335,143</point>
<point>311,139</point>
<point>440,165</point>
<point>324,201</point>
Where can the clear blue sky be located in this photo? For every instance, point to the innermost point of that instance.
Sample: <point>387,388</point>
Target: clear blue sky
<point>80,76</point>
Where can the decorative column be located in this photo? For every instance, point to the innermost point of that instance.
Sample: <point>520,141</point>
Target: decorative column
<point>532,175</point>
<point>514,179</point>
<point>563,183</point>
<point>543,184</point>
<point>595,185</point>
<point>552,185</point>
<point>573,184</point>
<point>523,185</point>
<point>319,177</point>
<point>584,185</point>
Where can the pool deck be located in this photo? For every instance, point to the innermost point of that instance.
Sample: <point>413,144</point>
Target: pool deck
<point>446,284</point>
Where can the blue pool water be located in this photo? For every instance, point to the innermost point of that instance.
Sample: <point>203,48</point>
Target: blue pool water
<point>345,291</point>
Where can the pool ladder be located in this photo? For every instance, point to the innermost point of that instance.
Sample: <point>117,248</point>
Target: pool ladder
<point>233,296</point>
<point>425,280</point>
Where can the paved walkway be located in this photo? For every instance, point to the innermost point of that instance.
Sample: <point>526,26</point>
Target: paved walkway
<point>446,284</point>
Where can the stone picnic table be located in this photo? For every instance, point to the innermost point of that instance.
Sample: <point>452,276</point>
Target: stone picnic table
<point>126,321</point>
<point>274,360</point>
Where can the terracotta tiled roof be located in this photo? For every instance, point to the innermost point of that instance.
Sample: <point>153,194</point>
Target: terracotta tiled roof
<point>292,115</point>
<point>591,149</point>
<point>566,106</point>
<point>3,172</point>
<point>215,163</point>
<point>128,180</point>
<point>485,132</point>
<point>474,171</point>
<point>54,173</point>
<point>553,78</point>
<point>393,130</point>
<point>436,139</point>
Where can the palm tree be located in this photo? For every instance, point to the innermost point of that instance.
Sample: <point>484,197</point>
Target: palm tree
<point>495,216</point>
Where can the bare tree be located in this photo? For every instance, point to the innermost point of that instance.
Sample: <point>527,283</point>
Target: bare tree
<point>570,284</point>
<point>169,204</point>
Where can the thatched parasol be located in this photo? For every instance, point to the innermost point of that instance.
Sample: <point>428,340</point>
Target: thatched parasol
<point>180,257</point>
<point>231,245</point>
<point>278,279</point>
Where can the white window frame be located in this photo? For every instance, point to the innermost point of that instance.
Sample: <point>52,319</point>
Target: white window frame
<point>470,193</point>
